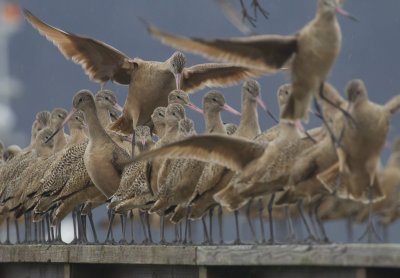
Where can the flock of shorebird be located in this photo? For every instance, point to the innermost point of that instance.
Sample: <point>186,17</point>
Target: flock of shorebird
<point>332,170</point>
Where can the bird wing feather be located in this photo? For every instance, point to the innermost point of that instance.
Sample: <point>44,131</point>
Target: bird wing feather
<point>215,75</point>
<point>99,60</point>
<point>268,53</point>
<point>233,153</point>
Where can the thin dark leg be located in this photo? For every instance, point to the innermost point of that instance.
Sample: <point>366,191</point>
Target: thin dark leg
<point>260,216</point>
<point>123,226</point>
<point>81,219</point>
<point>385,231</point>
<point>249,222</point>
<point>176,232</point>
<point>132,227</point>
<point>142,221</point>
<point>221,226</point>
<point>35,232</point>
<point>43,222</point>
<point>7,242</point>
<point>311,237</point>
<point>313,226</point>
<point>205,232</point>
<point>17,230</point>
<point>147,216</point>
<point>349,229</point>
<point>95,238</point>
<point>210,218</point>
<point>49,230</point>
<point>291,234</point>
<point>109,238</point>
<point>271,220</point>
<point>84,228</point>
<point>370,230</point>
<point>75,240</point>
<point>27,222</point>
<point>321,227</point>
<point>162,236</point>
<point>237,240</point>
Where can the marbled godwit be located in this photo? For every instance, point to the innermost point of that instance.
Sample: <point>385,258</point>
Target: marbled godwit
<point>311,53</point>
<point>134,177</point>
<point>41,150</point>
<point>42,120</point>
<point>248,128</point>
<point>149,81</point>
<point>356,169</point>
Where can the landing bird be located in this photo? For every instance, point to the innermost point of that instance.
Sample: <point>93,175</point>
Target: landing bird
<point>149,81</point>
<point>309,54</point>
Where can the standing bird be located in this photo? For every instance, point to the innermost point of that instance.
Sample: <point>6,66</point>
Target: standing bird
<point>310,53</point>
<point>149,81</point>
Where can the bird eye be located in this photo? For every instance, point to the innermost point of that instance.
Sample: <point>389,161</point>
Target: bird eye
<point>60,116</point>
<point>174,114</point>
<point>214,99</point>
<point>159,114</point>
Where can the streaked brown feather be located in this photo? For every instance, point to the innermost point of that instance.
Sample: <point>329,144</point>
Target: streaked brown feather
<point>231,152</point>
<point>215,75</point>
<point>268,53</point>
<point>99,60</point>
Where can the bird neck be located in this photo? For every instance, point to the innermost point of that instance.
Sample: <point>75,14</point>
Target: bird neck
<point>171,131</point>
<point>96,129</point>
<point>103,115</point>
<point>59,141</point>
<point>249,125</point>
<point>159,130</point>
<point>326,15</point>
<point>214,122</point>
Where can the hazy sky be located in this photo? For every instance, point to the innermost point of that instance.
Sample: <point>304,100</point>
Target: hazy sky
<point>369,51</point>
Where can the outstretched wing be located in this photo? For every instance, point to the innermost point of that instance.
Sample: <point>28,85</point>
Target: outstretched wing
<point>215,75</point>
<point>231,152</point>
<point>100,61</point>
<point>268,53</point>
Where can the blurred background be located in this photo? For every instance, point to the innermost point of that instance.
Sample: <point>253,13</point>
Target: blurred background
<point>35,76</point>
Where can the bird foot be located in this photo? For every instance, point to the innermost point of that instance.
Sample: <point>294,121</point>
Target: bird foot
<point>371,233</point>
<point>123,242</point>
<point>110,242</point>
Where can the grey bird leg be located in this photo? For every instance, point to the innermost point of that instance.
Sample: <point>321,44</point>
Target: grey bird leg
<point>27,227</point>
<point>17,230</point>
<point>385,231</point>
<point>43,230</point>
<point>132,219</point>
<point>176,231</point>
<point>75,240</point>
<point>249,222</point>
<point>147,216</point>
<point>58,233</point>
<point>237,240</point>
<point>260,216</point>
<point>162,235</point>
<point>142,221</point>
<point>313,226</point>
<point>93,227</point>
<point>291,234</point>
<point>349,228</point>
<point>109,237</point>
<point>271,220</point>
<point>205,232</point>
<point>81,227</point>
<point>311,237</point>
<point>123,226</point>
<point>7,242</point>
<point>210,215</point>
<point>35,232</point>
<point>370,230</point>
<point>221,226</point>
<point>49,229</point>
<point>321,227</point>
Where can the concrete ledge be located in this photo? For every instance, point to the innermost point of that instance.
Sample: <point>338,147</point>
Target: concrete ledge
<point>335,255</point>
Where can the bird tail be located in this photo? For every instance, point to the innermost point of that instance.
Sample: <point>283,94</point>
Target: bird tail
<point>179,213</point>
<point>123,125</point>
